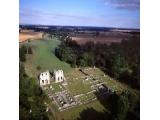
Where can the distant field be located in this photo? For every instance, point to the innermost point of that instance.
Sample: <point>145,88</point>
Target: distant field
<point>102,38</point>
<point>28,34</point>
<point>43,56</point>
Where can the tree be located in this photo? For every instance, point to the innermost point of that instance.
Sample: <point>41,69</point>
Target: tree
<point>119,105</point>
<point>30,50</point>
<point>123,105</point>
<point>88,58</point>
<point>22,53</point>
<point>118,64</point>
<point>81,62</point>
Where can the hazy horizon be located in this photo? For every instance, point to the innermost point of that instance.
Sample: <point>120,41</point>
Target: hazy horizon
<point>78,26</point>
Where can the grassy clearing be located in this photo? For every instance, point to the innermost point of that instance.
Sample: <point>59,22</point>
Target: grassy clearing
<point>56,87</point>
<point>73,113</point>
<point>43,56</point>
<point>111,83</point>
<point>75,82</point>
<point>78,87</point>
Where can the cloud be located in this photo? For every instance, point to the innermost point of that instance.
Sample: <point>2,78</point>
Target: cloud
<point>124,4</point>
<point>33,14</point>
<point>46,14</point>
<point>36,16</point>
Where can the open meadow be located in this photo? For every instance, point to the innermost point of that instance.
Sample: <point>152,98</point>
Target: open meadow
<point>43,57</point>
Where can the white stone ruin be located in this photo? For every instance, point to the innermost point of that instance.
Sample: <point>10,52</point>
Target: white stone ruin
<point>44,77</point>
<point>59,76</point>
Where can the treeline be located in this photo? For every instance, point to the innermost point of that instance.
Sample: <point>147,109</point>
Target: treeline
<point>119,60</point>
<point>31,96</point>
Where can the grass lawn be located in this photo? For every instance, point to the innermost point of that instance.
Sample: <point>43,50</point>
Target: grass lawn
<point>56,87</point>
<point>78,87</point>
<point>73,113</point>
<point>75,82</point>
<point>44,57</point>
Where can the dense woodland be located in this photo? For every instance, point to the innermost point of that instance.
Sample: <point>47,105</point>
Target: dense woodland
<point>119,60</point>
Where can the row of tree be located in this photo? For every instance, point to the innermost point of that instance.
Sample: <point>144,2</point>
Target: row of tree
<point>120,60</point>
<point>23,50</point>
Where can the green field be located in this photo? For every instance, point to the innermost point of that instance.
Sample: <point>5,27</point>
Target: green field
<point>56,87</point>
<point>78,87</point>
<point>43,56</point>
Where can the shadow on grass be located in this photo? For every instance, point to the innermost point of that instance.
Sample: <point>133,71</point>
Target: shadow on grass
<point>118,106</point>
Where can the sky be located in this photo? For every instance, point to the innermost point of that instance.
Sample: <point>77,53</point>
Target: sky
<point>101,13</point>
